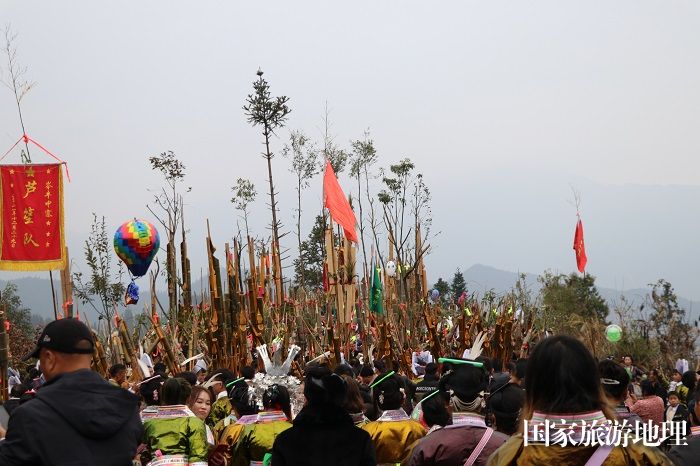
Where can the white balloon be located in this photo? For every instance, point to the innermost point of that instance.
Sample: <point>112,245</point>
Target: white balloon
<point>391,268</point>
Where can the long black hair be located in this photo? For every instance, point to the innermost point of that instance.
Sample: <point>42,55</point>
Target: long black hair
<point>387,394</point>
<point>277,397</point>
<point>175,391</point>
<point>562,377</point>
<point>323,387</point>
<point>614,372</point>
<point>689,380</point>
<point>240,399</point>
<point>466,381</point>
<point>435,410</point>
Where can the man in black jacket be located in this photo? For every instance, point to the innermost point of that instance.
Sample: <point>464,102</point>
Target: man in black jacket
<point>429,383</point>
<point>77,417</point>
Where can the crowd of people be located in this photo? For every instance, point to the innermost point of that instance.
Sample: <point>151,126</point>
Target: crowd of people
<point>446,411</point>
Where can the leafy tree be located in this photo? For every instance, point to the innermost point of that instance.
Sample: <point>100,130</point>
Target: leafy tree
<point>563,295</point>
<point>405,203</point>
<point>675,336</point>
<point>271,114</point>
<point>636,340</point>
<point>102,288</point>
<point>458,285</point>
<point>22,332</point>
<point>364,155</point>
<point>304,157</point>
<point>444,288</point>
<point>308,267</point>
<point>337,156</point>
<point>15,80</point>
<point>244,194</point>
<point>169,200</point>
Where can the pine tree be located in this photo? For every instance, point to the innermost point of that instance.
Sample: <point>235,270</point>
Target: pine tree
<point>309,270</point>
<point>444,288</point>
<point>458,285</point>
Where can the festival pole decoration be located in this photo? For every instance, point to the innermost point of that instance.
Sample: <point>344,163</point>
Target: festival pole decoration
<point>169,356</point>
<point>579,247</point>
<point>4,353</point>
<point>67,288</point>
<point>186,287</point>
<point>218,338</point>
<point>130,350</point>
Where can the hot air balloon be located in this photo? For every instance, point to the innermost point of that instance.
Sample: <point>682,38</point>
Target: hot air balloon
<point>136,242</point>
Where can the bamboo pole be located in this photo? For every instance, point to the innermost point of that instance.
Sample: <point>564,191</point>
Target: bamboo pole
<point>67,287</point>
<point>4,354</point>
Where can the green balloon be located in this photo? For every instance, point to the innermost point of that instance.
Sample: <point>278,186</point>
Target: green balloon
<point>613,333</point>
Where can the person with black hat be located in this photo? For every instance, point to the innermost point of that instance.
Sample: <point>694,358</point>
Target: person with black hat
<point>77,417</point>
<point>326,426</point>
<point>429,383</point>
<point>467,440</point>
<point>393,433</point>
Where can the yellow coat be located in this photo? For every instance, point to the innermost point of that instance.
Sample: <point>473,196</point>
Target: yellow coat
<point>393,440</point>
<point>513,452</point>
<point>219,410</point>
<point>255,441</point>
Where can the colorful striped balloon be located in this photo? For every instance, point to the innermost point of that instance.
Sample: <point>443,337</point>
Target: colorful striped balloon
<point>136,243</point>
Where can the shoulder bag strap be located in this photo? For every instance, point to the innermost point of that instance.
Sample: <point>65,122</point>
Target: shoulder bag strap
<point>479,447</point>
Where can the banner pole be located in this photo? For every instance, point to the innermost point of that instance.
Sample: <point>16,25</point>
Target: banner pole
<point>53,296</point>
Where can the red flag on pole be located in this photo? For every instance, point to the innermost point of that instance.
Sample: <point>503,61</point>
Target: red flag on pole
<point>579,247</point>
<point>337,204</point>
<point>31,211</point>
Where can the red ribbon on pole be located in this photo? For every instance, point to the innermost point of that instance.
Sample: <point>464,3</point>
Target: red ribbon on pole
<point>26,139</point>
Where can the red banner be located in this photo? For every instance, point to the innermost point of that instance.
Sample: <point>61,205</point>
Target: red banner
<point>580,248</point>
<point>31,208</point>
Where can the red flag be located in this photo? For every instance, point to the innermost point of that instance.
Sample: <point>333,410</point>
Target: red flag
<point>337,204</point>
<point>31,228</point>
<point>579,247</point>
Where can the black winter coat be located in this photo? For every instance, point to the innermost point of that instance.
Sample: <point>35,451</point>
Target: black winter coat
<point>322,436</point>
<point>76,419</point>
<point>686,455</point>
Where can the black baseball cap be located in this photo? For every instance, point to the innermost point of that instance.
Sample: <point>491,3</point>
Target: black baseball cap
<point>67,335</point>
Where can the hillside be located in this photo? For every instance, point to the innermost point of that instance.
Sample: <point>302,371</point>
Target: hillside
<point>482,277</point>
<point>36,292</point>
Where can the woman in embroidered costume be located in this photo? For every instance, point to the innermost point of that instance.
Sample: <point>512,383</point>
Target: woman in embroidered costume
<point>173,435</point>
<point>199,403</point>
<point>467,440</point>
<point>221,407</point>
<point>393,433</point>
<point>562,388</point>
<point>240,387</point>
<point>256,439</point>
<point>245,411</point>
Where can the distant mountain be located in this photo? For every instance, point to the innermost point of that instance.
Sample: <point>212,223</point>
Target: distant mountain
<point>36,296</point>
<point>36,292</point>
<point>483,277</point>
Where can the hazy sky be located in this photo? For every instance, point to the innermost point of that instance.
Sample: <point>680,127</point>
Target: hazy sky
<point>502,106</point>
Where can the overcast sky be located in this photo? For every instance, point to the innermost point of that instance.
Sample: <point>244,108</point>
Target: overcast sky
<point>502,105</point>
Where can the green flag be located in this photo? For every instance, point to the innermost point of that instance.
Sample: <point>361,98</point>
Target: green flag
<point>376,298</point>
